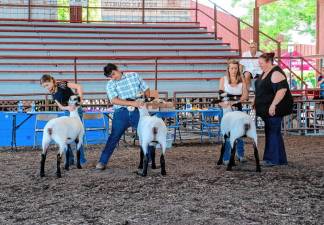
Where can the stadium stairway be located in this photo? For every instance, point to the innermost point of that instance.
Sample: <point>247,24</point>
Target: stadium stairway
<point>188,57</point>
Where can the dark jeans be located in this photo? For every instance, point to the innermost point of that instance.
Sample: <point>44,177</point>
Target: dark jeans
<point>82,154</point>
<point>274,145</point>
<point>122,119</point>
<point>239,149</point>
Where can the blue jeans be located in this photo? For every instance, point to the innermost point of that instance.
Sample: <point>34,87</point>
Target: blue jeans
<point>82,154</point>
<point>122,120</point>
<point>274,151</point>
<point>239,149</point>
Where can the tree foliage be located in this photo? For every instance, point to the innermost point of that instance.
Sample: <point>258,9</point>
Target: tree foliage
<point>283,17</point>
<point>63,13</point>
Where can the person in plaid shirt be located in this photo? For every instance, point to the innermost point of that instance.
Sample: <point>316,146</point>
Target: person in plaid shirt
<point>122,90</point>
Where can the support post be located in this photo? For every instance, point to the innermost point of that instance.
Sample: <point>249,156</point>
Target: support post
<point>239,39</point>
<point>279,51</point>
<point>156,74</point>
<point>302,73</point>
<point>196,11</point>
<point>215,21</point>
<point>256,25</point>
<point>75,71</point>
<point>87,11</point>
<point>29,10</point>
<point>46,102</point>
<point>143,11</point>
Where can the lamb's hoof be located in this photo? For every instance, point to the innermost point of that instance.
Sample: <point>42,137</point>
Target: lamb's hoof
<point>140,166</point>
<point>258,169</point>
<point>79,166</point>
<point>229,169</point>
<point>154,166</point>
<point>219,163</point>
<point>42,174</point>
<point>66,167</point>
<point>58,175</point>
<point>163,173</point>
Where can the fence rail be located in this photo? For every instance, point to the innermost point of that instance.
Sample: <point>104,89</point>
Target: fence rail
<point>132,11</point>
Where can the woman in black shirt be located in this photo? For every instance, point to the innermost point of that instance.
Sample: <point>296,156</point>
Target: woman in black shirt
<point>273,100</point>
<point>61,92</point>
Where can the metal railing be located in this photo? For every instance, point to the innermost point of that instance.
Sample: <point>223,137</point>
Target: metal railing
<point>130,11</point>
<point>307,118</point>
<point>75,62</point>
<point>47,104</point>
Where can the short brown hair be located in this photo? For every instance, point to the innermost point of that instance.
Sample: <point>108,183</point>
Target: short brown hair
<point>46,78</point>
<point>268,56</point>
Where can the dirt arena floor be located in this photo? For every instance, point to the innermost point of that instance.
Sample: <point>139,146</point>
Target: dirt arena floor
<point>195,190</point>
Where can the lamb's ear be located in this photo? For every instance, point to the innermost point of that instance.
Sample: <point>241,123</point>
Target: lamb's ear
<point>79,98</point>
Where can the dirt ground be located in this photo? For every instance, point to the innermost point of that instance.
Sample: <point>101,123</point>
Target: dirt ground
<point>195,190</point>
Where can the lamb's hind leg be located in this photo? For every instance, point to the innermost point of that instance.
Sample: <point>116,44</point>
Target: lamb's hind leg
<point>78,160</point>
<point>140,166</point>
<point>58,165</point>
<point>152,152</point>
<point>63,148</point>
<point>42,168</point>
<point>45,146</point>
<point>78,153</point>
<point>67,158</point>
<point>256,155</point>
<point>231,162</point>
<point>220,160</point>
<point>162,160</point>
<point>145,160</point>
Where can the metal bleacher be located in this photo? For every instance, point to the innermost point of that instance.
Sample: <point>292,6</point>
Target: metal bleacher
<point>183,56</point>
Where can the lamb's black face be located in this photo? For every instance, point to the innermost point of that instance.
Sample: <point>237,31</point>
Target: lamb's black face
<point>74,100</point>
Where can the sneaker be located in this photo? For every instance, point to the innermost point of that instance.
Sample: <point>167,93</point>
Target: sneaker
<point>241,159</point>
<point>266,163</point>
<point>225,162</point>
<point>100,166</point>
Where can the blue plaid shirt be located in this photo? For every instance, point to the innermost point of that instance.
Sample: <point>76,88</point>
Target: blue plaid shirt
<point>129,86</point>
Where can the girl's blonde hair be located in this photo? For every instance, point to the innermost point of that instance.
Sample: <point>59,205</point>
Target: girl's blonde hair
<point>238,74</point>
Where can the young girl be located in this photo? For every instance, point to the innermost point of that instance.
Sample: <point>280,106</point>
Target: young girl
<point>61,92</point>
<point>233,83</point>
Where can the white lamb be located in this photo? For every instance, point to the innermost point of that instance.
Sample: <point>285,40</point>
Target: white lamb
<point>151,130</point>
<point>234,125</point>
<point>63,130</point>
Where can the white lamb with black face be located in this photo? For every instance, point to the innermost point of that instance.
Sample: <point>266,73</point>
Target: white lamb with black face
<point>63,131</point>
<point>234,125</point>
<point>151,130</point>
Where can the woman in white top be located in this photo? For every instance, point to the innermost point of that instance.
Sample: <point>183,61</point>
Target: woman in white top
<point>233,83</point>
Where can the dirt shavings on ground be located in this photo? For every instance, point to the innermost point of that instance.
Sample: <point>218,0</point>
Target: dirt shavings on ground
<point>195,190</point>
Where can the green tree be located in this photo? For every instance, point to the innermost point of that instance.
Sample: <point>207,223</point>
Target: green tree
<point>283,17</point>
<point>94,13</point>
<point>63,13</point>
